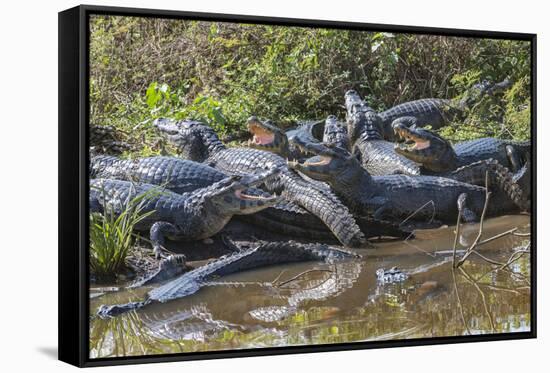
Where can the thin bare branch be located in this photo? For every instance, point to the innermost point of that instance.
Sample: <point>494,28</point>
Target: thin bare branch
<point>481,221</point>
<point>484,301</point>
<point>460,308</point>
<point>457,234</point>
<point>420,209</point>
<point>500,235</point>
<point>294,278</point>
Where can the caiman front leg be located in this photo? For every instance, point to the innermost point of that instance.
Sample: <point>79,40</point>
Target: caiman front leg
<point>513,158</point>
<point>467,214</point>
<point>381,208</point>
<point>157,234</point>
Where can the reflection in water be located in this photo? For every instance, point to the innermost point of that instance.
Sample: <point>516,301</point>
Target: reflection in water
<point>312,303</point>
<point>304,288</point>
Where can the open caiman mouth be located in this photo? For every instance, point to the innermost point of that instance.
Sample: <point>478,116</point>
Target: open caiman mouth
<point>320,160</point>
<point>408,141</point>
<point>247,197</point>
<point>261,136</point>
<point>323,161</point>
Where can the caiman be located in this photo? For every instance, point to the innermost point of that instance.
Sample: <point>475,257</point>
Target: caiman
<point>267,136</point>
<point>336,133</point>
<point>437,155</point>
<point>263,254</point>
<point>376,155</point>
<point>469,160</point>
<point>168,268</point>
<point>390,276</point>
<point>438,112</point>
<point>398,197</point>
<point>307,131</point>
<point>198,142</point>
<point>180,175</point>
<point>176,174</point>
<point>190,216</point>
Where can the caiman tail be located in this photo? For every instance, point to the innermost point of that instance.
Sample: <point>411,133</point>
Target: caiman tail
<point>325,205</point>
<point>500,180</point>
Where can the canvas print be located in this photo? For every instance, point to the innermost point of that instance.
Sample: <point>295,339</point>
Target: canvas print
<point>264,186</point>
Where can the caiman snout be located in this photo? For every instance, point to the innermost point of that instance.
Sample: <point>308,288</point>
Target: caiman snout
<point>238,194</point>
<point>250,200</point>
<point>166,125</point>
<point>409,138</point>
<point>400,130</point>
<point>263,134</point>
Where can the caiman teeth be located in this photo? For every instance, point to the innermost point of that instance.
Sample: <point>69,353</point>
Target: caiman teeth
<point>292,164</point>
<point>401,133</point>
<point>254,140</point>
<point>252,126</point>
<point>240,194</point>
<point>262,138</point>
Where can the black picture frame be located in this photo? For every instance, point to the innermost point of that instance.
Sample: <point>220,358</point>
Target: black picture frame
<point>73,184</point>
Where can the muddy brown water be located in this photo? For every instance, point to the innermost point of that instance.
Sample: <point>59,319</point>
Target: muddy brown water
<point>337,303</point>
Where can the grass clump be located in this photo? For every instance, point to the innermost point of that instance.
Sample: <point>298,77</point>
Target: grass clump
<point>112,236</point>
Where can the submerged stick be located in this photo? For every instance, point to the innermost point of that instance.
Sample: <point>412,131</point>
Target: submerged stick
<point>483,299</point>
<point>500,235</point>
<point>481,221</point>
<point>457,233</point>
<point>461,309</point>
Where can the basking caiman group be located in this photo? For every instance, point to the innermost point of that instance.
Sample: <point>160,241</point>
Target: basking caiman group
<point>296,195</point>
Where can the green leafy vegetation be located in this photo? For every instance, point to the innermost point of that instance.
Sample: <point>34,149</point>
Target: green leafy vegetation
<point>112,236</point>
<point>222,73</point>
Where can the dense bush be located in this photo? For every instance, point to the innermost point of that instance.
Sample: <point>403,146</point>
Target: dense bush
<point>223,73</point>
